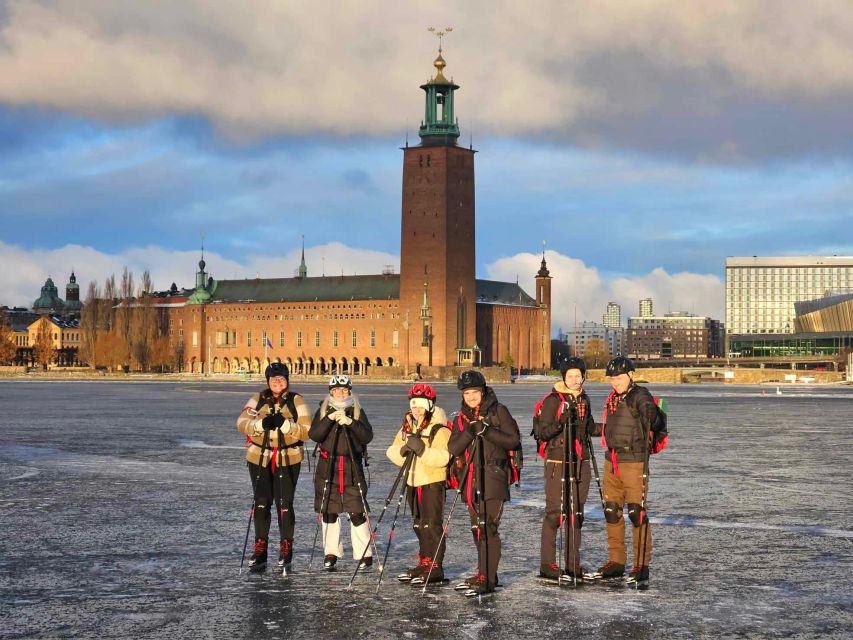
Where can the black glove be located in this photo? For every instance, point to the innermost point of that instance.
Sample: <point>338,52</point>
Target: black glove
<point>272,421</point>
<point>480,427</point>
<point>415,444</point>
<point>404,450</point>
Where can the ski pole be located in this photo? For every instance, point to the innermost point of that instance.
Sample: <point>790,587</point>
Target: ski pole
<point>413,459</point>
<point>573,481</point>
<point>644,517</point>
<point>482,513</point>
<point>257,484</point>
<point>594,468</point>
<point>471,450</point>
<point>327,494</point>
<point>358,477</point>
<point>562,521</point>
<point>403,469</point>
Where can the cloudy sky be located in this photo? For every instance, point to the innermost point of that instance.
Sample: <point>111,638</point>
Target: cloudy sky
<point>643,140</point>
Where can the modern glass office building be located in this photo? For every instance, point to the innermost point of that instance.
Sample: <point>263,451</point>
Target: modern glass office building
<point>761,291</point>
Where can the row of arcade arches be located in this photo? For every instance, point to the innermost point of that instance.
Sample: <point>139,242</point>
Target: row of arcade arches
<point>298,366</point>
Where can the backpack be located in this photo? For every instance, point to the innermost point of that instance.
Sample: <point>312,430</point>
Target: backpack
<point>516,464</point>
<point>658,433</point>
<point>537,411</point>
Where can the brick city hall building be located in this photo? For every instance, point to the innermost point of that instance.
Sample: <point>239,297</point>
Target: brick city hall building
<point>434,313</point>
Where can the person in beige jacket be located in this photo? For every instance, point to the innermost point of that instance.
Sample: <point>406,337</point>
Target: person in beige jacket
<point>275,422</point>
<point>424,434</point>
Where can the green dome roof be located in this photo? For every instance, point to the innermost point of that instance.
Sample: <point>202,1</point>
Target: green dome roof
<point>49,298</point>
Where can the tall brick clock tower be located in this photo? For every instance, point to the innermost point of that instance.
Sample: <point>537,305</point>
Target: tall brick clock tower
<point>437,248</point>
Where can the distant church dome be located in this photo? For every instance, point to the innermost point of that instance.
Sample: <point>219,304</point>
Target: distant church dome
<point>49,300</point>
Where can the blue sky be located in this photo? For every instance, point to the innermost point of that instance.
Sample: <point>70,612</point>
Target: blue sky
<point>641,156</point>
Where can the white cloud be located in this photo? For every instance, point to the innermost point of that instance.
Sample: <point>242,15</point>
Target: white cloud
<point>265,66</point>
<point>30,268</point>
<point>576,287</point>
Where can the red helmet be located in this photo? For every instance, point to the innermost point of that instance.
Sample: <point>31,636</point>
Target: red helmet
<point>421,390</point>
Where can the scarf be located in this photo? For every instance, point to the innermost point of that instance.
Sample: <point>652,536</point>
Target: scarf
<point>343,404</point>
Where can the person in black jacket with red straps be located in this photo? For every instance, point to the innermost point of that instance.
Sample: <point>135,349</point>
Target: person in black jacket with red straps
<point>342,429</point>
<point>563,432</point>
<point>484,432</point>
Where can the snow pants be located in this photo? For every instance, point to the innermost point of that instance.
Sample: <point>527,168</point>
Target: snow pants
<point>359,528</point>
<point>554,498</point>
<point>426,504</point>
<point>279,487</point>
<point>486,537</point>
<point>627,488</point>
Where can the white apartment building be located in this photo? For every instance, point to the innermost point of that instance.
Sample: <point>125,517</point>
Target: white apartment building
<point>761,290</point>
<point>578,337</point>
<point>612,316</point>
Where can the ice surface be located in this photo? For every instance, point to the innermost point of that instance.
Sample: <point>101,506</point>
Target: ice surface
<point>124,506</point>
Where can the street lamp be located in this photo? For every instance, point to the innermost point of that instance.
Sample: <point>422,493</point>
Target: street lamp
<point>406,325</point>
<point>425,318</point>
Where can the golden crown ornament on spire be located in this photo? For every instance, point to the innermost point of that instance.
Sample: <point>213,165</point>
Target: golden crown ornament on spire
<point>439,62</point>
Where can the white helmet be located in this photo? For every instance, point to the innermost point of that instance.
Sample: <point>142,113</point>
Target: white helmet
<point>340,381</point>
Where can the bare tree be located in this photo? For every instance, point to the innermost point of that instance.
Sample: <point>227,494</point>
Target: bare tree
<point>111,299</point>
<point>7,339</point>
<point>90,323</point>
<point>43,350</point>
<point>596,353</point>
<point>143,322</point>
<point>123,347</point>
<point>178,359</point>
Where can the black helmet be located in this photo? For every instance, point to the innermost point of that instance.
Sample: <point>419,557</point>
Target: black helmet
<point>572,362</point>
<point>471,380</point>
<point>275,369</point>
<point>618,366</point>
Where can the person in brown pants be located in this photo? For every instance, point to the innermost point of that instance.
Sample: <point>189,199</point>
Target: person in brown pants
<point>562,429</point>
<point>630,428</point>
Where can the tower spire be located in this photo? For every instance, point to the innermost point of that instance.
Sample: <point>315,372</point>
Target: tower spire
<point>439,126</point>
<point>543,268</point>
<point>303,269</point>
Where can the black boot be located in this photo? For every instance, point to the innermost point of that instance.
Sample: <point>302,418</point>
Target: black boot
<point>285,553</point>
<point>258,562</point>
<point>639,577</point>
<point>412,573</point>
<point>329,562</point>
<point>437,574</point>
<point>610,571</point>
<point>550,571</point>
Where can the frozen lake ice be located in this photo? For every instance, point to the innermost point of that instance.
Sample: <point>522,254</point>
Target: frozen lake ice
<point>124,505</point>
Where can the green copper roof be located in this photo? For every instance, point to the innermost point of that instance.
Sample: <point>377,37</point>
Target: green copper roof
<point>49,298</point>
<point>373,287</point>
<point>332,288</point>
